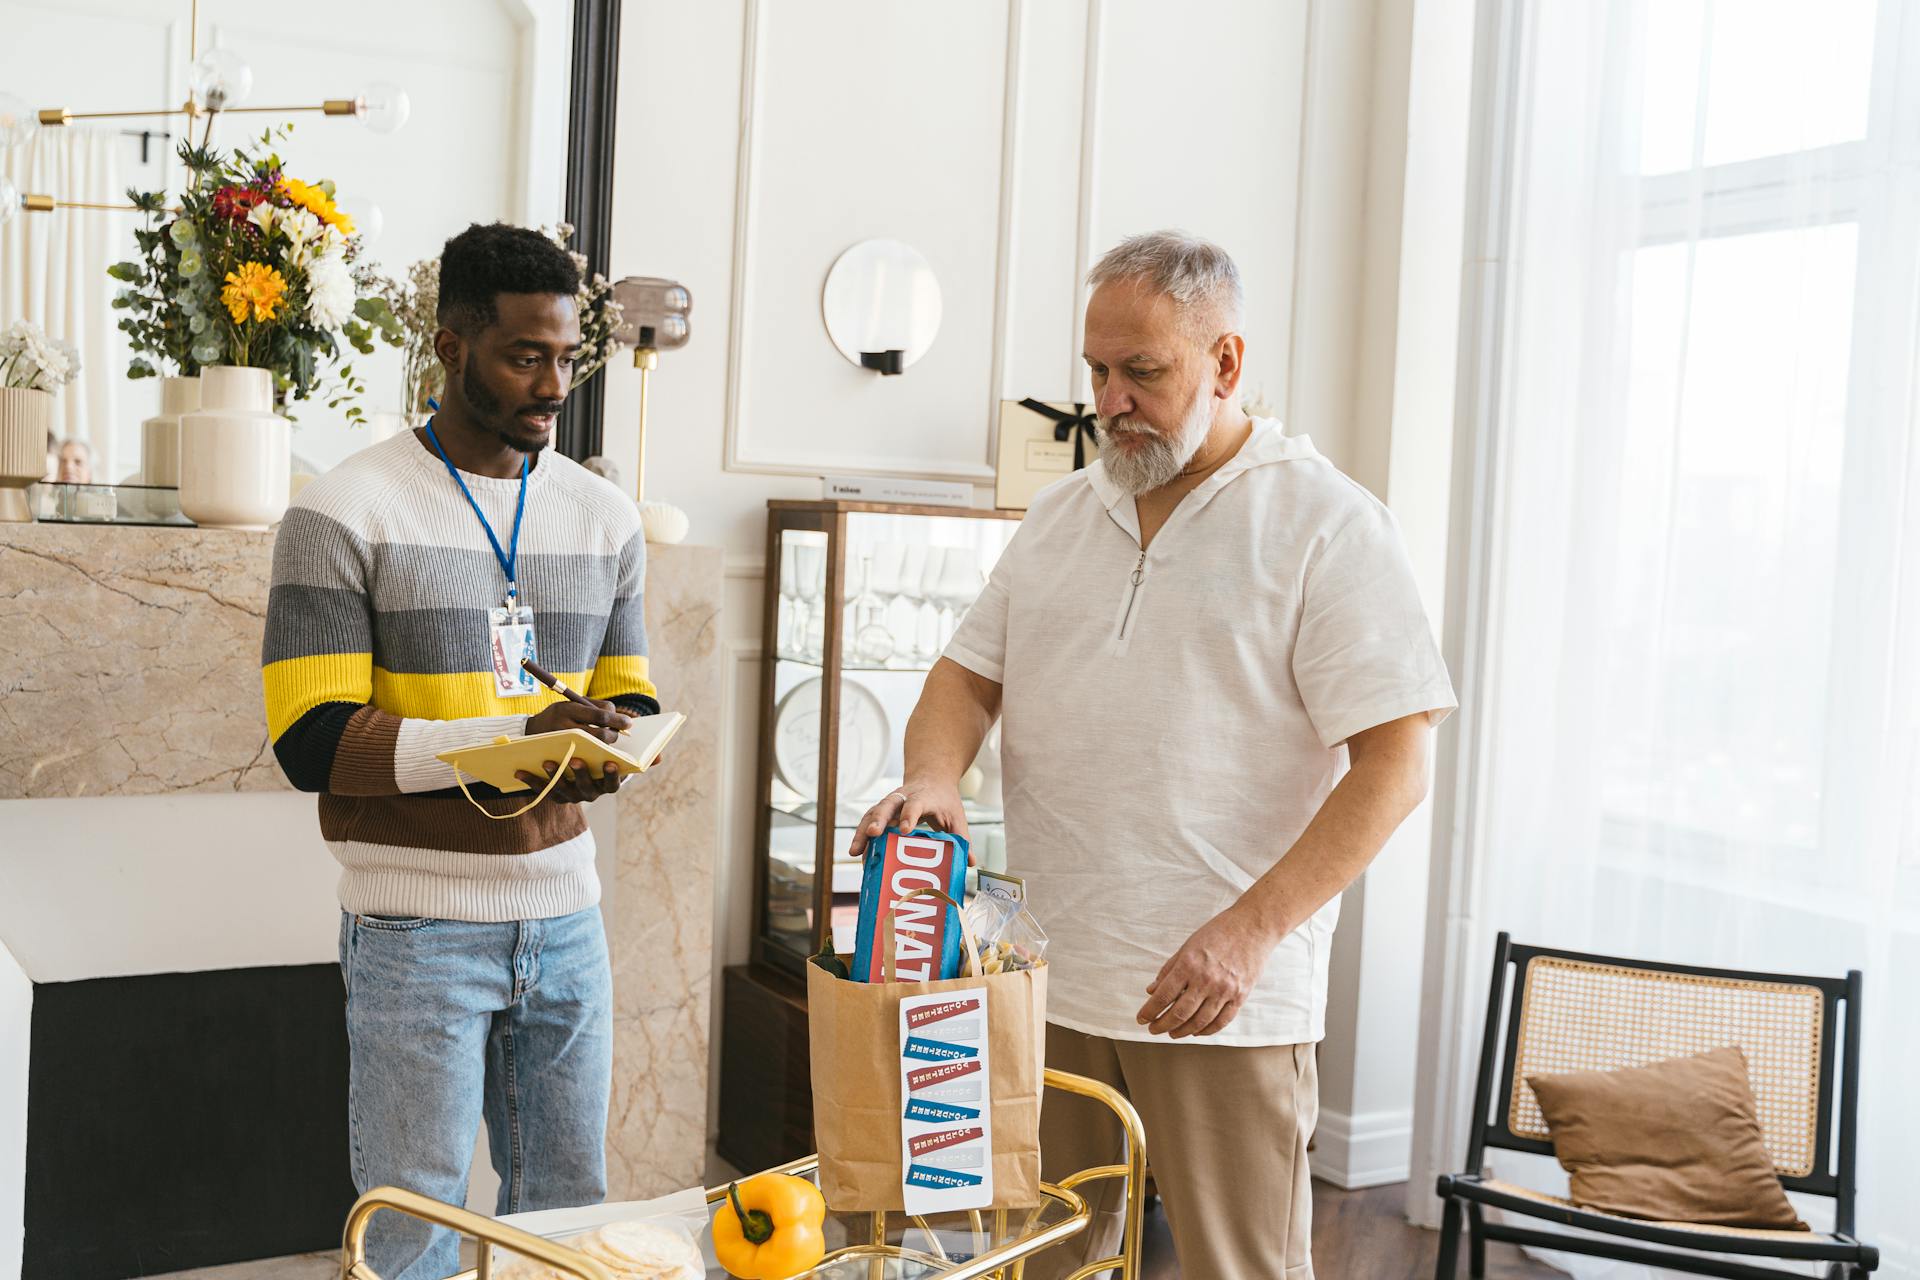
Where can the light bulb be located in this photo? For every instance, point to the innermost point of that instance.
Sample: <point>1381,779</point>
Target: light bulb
<point>18,121</point>
<point>221,79</point>
<point>9,201</point>
<point>368,220</point>
<point>383,107</point>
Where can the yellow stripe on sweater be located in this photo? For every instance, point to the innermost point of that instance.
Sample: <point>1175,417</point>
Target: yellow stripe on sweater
<point>295,686</point>
<point>620,674</point>
<point>459,695</point>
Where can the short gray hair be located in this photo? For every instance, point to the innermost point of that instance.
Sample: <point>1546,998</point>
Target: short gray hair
<point>1197,274</point>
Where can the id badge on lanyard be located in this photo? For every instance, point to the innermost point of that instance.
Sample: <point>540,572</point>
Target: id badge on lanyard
<point>509,627</point>
<point>509,640</point>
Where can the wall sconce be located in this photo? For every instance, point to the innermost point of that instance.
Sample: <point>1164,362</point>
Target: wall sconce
<point>881,304</point>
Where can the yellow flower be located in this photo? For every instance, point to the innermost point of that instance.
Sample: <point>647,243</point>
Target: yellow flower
<point>255,287</point>
<point>317,202</point>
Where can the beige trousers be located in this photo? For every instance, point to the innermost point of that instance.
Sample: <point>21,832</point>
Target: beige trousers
<point>1227,1132</point>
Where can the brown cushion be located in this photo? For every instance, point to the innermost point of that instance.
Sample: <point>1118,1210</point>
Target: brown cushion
<point>1673,1141</point>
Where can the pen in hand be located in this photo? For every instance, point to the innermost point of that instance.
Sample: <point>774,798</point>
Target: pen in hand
<point>607,722</point>
<point>554,683</point>
<point>559,686</point>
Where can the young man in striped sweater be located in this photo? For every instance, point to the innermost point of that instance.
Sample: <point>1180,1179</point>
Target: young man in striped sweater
<point>471,943</point>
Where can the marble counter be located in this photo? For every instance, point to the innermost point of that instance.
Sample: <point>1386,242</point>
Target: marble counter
<point>118,636</point>
<point>151,636</point>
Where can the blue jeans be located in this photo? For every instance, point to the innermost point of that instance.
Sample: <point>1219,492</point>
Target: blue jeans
<point>448,1021</point>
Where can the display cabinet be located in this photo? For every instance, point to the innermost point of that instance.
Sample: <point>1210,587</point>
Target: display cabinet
<point>860,600</point>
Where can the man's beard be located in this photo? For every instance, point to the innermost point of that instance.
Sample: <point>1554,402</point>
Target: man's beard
<point>1151,458</point>
<point>491,410</point>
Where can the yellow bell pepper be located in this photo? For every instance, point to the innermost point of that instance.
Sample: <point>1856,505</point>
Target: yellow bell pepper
<point>770,1228</point>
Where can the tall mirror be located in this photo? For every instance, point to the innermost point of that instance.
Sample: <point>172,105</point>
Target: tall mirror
<point>485,139</point>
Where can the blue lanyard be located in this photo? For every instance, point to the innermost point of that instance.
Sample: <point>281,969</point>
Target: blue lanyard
<point>511,555</point>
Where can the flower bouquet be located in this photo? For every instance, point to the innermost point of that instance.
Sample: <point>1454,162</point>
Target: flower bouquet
<point>31,361</point>
<point>254,268</point>
<point>32,366</point>
<point>250,282</point>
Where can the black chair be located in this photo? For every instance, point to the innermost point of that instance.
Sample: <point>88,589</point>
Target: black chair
<point>1574,1012</point>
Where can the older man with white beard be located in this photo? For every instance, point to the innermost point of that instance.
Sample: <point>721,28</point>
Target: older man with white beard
<point>1217,685</point>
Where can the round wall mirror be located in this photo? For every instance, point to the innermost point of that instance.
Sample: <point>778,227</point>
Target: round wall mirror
<point>882,305</point>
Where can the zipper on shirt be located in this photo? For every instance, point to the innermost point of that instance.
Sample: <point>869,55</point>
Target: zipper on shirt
<point>1139,576</point>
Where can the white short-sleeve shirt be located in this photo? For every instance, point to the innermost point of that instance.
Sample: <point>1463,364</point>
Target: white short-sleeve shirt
<point>1166,742</point>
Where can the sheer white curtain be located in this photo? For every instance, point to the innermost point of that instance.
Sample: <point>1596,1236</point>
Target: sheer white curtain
<point>1701,710</point>
<point>53,271</point>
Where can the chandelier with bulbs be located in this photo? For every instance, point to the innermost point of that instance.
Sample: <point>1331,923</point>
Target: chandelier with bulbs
<point>220,82</point>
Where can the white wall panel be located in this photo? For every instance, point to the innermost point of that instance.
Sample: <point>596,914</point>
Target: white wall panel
<point>1198,126</point>
<point>1042,355</point>
<point>866,119</point>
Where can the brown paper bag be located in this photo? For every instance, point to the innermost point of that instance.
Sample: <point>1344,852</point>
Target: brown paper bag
<point>853,1031</point>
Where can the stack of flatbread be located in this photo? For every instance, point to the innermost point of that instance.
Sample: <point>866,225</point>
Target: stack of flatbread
<point>630,1250</point>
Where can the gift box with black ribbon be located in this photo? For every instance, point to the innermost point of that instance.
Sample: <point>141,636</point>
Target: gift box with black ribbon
<point>1040,442</point>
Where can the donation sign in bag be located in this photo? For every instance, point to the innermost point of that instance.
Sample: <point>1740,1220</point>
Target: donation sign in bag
<point>926,1095</point>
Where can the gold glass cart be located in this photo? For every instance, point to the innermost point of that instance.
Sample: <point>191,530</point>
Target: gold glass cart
<point>878,1246</point>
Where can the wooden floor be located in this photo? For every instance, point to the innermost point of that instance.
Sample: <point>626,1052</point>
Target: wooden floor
<point>1361,1235</point>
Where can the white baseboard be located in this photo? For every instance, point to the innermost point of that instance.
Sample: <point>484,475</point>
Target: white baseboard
<point>1371,1149</point>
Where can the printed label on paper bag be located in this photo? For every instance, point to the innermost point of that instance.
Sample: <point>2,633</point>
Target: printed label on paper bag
<point>964,1158</point>
<point>946,1146</point>
<point>937,1050</point>
<point>941,1139</point>
<point>927,1076</point>
<point>944,1010</point>
<point>946,1186</point>
<point>939,1112</point>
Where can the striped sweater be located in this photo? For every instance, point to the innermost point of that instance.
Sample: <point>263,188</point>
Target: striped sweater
<point>376,658</point>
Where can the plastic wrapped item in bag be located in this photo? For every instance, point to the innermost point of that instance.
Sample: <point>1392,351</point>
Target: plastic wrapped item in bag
<point>1010,938</point>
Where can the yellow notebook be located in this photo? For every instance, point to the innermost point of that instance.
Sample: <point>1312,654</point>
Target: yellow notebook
<point>496,763</point>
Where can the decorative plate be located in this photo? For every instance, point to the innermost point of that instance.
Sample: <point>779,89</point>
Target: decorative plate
<point>865,736</point>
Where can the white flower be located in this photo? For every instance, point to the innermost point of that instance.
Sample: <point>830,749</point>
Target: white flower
<point>30,359</point>
<point>261,215</point>
<point>330,287</point>
<point>305,232</point>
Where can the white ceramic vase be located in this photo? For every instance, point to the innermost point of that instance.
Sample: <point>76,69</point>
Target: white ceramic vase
<point>234,452</point>
<point>25,419</point>
<point>160,434</point>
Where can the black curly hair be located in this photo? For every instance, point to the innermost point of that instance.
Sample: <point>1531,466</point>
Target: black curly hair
<point>487,260</point>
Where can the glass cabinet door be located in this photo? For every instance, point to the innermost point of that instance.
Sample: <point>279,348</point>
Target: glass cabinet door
<point>791,891</point>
